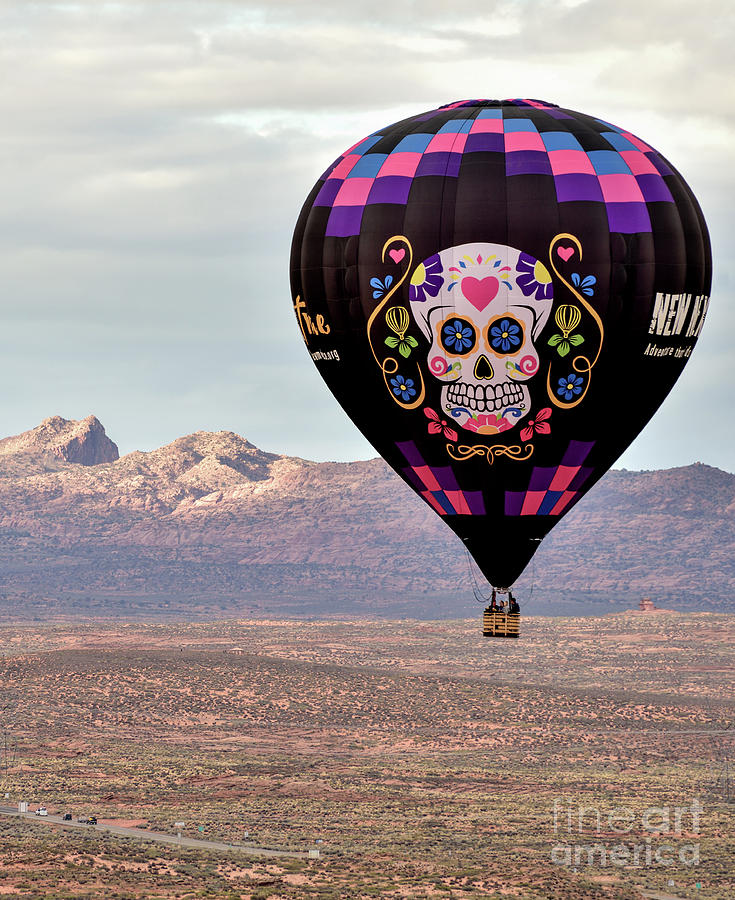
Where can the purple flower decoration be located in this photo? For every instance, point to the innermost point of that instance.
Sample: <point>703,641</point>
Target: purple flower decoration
<point>426,280</point>
<point>534,276</point>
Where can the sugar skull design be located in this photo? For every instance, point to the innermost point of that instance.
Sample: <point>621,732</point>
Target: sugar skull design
<point>482,307</point>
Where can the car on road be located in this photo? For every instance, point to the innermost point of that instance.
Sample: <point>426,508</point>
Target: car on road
<point>41,811</point>
<point>67,817</point>
<point>88,820</point>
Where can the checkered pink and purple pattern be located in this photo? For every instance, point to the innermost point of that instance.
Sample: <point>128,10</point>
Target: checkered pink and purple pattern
<point>438,486</point>
<point>623,173</point>
<point>553,491</point>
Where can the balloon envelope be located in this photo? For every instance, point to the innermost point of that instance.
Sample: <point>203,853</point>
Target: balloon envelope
<point>500,294</point>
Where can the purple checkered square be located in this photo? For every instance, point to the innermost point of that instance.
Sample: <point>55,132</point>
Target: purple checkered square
<point>541,479</point>
<point>484,141</point>
<point>527,162</point>
<point>455,161</point>
<point>577,187</point>
<point>654,188</point>
<point>439,164</point>
<point>410,453</point>
<point>576,453</point>
<point>328,192</point>
<point>628,218</point>
<point>446,479</point>
<point>555,113</point>
<point>514,502</point>
<point>413,479</point>
<point>660,165</point>
<point>344,221</point>
<point>475,502</point>
<point>390,189</point>
<point>579,479</point>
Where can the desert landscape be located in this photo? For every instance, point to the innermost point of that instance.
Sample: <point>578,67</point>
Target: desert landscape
<point>211,525</point>
<point>420,759</point>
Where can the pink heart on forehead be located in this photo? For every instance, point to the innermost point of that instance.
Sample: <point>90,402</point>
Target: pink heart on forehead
<point>396,255</point>
<point>565,252</point>
<point>480,291</point>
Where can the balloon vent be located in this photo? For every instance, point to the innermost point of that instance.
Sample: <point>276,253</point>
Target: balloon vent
<point>494,104</point>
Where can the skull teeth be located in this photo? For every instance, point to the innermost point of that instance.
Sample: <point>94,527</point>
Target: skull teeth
<point>484,398</point>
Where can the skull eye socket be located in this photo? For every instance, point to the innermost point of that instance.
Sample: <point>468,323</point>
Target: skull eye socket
<point>458,336</point>
<point>505,335</point>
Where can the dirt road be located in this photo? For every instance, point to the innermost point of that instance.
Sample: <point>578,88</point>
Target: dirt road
<point>157,836</point>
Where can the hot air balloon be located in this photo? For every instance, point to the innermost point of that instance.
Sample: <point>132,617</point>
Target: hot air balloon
<point>500,294</point>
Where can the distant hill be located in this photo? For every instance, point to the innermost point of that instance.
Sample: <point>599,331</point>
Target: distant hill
<point>210,524</point>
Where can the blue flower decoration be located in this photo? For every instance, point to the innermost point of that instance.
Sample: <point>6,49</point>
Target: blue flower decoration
<point>585,284</point>
<point>403,387</point>
<point>458,336</point>
<point>571,386</point>
<point>380,287</point>
<point>506,335</point>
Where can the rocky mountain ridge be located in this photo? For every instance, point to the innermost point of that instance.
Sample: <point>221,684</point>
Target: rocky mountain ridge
<point>212,522</point>
<point>83,442</point>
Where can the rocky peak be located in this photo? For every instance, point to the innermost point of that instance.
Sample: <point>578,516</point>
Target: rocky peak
<point>83,442</point>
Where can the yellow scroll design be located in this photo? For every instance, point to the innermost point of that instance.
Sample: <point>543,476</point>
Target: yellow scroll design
<point>462,452</point>
<point>389,364</point>
<point>580,363</point>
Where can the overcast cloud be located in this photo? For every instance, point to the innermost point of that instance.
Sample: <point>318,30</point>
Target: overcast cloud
<point>155,155</point>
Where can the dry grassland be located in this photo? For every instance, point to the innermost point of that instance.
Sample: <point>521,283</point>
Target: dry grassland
<point>425,759</point>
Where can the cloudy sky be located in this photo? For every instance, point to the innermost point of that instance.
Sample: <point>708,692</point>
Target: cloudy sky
<point>155,155</point>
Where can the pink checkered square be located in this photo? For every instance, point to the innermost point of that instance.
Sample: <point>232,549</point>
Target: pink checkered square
<point>446,143</point>
<point>531,502</point>
<point>570,162</point>
<point>563,478</point>
<point>636,142</point>
<point>428,477</point>
<point>493,126</point>
<point>433,502</point>
<point>523,140</point>
<point>344,166</point>
<point>562,503</point>
<point>457,499</point>
<point>400,164</point>
<point>354,192</point>
<point>638,162</point>
<point>620,189</point>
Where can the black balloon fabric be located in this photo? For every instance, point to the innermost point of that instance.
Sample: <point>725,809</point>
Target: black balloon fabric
<point>500,294</point>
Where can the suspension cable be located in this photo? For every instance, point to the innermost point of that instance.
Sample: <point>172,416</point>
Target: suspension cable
<point>476,589</point>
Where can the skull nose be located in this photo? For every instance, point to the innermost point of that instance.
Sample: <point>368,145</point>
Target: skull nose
<point>483,367</point>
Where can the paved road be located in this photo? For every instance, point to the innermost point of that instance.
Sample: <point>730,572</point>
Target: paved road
<point>157,836</point>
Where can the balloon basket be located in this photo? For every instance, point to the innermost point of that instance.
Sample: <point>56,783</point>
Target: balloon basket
<point>502,625</point>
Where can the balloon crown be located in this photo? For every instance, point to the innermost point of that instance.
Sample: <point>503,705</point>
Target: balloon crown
<point>494,104</point>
